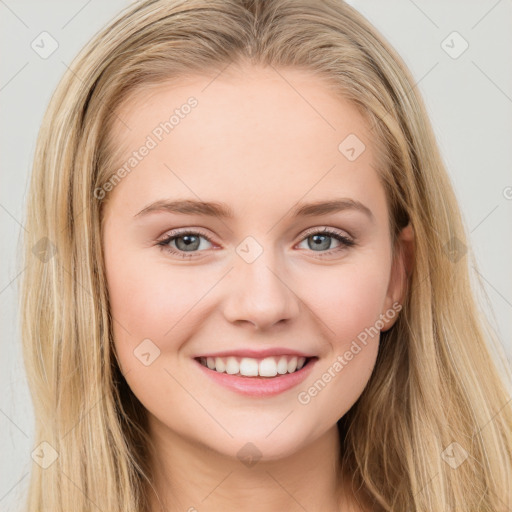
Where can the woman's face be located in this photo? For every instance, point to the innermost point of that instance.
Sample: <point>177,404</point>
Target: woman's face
<point>262,281</point>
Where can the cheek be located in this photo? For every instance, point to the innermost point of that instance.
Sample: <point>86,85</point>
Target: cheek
<point>150,300</point>
<point>349,299</point>
<point>348,304</point>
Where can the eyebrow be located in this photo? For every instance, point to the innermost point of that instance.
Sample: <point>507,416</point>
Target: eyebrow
<point>223,211</point>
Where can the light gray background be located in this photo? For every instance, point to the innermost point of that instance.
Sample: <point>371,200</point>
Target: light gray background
<point>469,99</point>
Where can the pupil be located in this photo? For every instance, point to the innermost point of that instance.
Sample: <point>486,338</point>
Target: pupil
<point>186,242</point>
<point>319,239</point>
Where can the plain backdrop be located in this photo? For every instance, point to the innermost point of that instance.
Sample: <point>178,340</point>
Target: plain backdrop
<point>468,93</point>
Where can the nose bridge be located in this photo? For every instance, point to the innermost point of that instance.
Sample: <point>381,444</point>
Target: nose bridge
<point>258,291</point>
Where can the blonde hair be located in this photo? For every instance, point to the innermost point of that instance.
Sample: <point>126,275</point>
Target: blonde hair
<point>435,381</point>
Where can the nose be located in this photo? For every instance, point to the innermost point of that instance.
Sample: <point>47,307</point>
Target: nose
<point>260,294</point>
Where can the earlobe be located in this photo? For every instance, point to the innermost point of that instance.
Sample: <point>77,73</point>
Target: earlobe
<point>400,272</point>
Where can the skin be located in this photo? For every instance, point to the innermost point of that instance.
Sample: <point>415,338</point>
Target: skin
<point>260,146</point>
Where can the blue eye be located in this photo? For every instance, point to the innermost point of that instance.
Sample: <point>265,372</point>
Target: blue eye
<point>319,239</point>
<point>186,243</point>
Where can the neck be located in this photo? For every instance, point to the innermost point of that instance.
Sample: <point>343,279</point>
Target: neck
<point>192,477</point>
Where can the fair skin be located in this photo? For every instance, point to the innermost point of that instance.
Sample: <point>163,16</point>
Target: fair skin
<point>258,146</point>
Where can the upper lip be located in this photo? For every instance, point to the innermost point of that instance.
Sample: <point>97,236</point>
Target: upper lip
<point>258,354</point>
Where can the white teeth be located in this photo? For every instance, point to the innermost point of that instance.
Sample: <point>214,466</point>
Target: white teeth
<point>282,365</point>
<point>292,364</point>
<point>268,367</point>
<point>219,365</point>
<point>249,367</point>
<point>232,366</point>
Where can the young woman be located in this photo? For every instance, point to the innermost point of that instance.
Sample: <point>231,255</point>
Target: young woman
<point>251,288</point>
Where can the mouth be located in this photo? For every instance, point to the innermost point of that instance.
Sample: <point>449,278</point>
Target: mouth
<point>264,368</point>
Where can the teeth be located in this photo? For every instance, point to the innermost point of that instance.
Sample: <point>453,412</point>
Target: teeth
<point>292,364</point>
<point>232,365</point>
<point>268,367</point>
<point>282,366</point>
<point>249,367</point>
<point>219,365</point>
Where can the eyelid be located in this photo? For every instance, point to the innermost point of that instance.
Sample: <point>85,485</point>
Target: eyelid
<point>345,241</point>
<point>163,241</point>
<point>327,230</point>
<point>184,231</point>
<point>305,234</point>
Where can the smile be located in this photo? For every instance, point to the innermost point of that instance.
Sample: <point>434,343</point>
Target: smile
<point>252,367</point>
<point>254,377</point>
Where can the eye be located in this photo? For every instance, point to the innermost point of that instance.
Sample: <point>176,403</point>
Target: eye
<point>321,239</point>
<point>185,241</point>
<point>181,243</point>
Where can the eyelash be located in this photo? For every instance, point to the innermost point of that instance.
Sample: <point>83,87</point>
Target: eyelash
<point>345,242</point>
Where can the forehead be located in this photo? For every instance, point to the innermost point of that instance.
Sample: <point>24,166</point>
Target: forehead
<point>276,135</point>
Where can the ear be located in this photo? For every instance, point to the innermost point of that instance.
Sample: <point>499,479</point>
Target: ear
<point>400,272</point>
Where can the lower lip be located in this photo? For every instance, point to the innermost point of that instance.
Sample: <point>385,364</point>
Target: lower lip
<point>259,386</point>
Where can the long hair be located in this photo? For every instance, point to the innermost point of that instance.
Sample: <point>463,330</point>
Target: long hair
<point>432,430</point>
